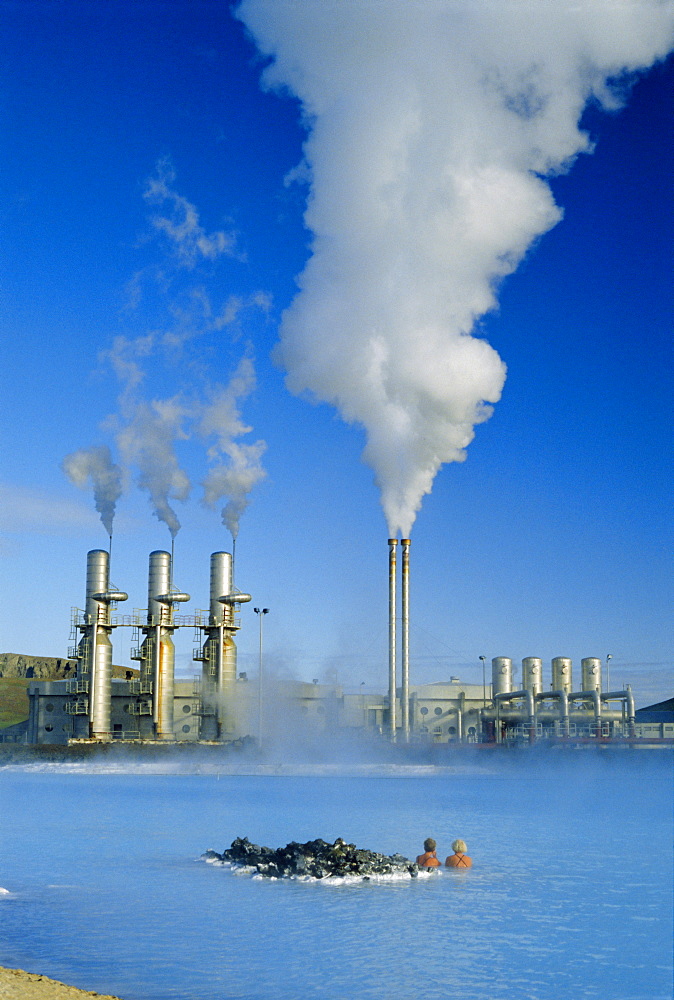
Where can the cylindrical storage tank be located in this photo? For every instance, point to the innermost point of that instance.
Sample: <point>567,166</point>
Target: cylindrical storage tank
<point>532,674</point>
<point>101,692</point>
<point>591,667</point>
<point>502,674</point>
<point>562,674</point>
<point>98,561</point>
<point>159,583</point>
<point>221,584</point>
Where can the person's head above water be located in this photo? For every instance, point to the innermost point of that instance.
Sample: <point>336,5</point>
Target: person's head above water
<point>459,846</point>
<point>429,844</point>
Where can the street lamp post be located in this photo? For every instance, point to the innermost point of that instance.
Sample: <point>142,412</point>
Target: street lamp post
<point>260,612</point>
<point>484,683</point>
<point>608,672</point>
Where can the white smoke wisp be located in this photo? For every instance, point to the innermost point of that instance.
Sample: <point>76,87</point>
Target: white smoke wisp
<point>180,225</point>
<point>147,440</point>
<point>431,128</point>
<point>95,465</point>
<point>234,479</point>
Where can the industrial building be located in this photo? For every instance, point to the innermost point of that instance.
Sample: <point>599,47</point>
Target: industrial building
<point>222,705</point>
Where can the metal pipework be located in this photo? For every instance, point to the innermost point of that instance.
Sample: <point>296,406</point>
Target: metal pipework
<point>392,636</point>
<point>532,674</point>
<point>531,708</point>
<point>562,673</point>
<point>95,646</point>
<point>591,667</point>
<point>501,675</point>
<point>562,696</point>
<point>405,693</point>
<point>627,697</point>
<point>592,696</point>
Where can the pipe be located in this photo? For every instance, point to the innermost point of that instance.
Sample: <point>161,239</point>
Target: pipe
<point>405,707</point>
<point>528,695</point>
<point>627,698</point>
<point>563,707</point>
<point>592,696</point>
<point>392,637</point>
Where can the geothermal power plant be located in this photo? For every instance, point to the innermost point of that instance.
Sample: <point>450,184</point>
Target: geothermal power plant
<point>220,705</point>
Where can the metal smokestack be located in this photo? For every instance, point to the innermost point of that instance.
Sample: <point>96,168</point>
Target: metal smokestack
<point>405,697</point>
<point>158,651</point>
<point>219,669</point>
<point>392,596</point>
<point>95,648</point>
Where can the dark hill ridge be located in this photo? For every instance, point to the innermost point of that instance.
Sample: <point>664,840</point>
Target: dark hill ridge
<point>315,858</point>
<point>47,668</point>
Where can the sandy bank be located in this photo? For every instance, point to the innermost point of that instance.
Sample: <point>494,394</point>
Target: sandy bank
<point>15,984</point>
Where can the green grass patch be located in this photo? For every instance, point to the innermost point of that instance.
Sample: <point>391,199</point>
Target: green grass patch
<point>13,700</point>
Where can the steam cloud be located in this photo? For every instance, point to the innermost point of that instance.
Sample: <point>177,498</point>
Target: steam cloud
<point>148,442</point>
<point>96,465</point>
<point>431,127</point>
<point>235,480</point>
<point>147,430</point>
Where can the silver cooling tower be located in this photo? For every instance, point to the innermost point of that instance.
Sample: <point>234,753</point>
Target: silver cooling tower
<point>591,672</point>
<point>95,647</point>
<point>562,674</point>
<point>158,651</point>
<point>532,674</point>
<point>219,652</point>
<point>502,675</point>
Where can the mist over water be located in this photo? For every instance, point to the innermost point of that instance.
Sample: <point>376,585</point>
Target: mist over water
<point>569,897</point>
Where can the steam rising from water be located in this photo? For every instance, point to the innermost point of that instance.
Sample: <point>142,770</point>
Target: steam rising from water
<point>95,464</point>
<point>431,127</point>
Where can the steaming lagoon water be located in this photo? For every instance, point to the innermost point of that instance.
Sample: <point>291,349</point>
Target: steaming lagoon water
<point>570,895</point>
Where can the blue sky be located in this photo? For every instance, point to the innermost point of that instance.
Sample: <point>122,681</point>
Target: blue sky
<point>151,240</point>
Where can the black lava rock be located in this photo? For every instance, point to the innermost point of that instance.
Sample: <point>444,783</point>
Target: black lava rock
<point>316,858</point>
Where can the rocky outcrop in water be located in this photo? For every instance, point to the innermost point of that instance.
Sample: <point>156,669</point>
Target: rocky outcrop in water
<point>316,859</point>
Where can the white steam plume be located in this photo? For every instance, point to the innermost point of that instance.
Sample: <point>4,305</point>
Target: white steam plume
<point>236,478</point>
<point>431,126</point>
<point>148,441</point>
<point>180,223</point>
<point>95,464</point>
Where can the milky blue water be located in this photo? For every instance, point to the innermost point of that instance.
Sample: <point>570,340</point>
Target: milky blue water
<point>570,895</point>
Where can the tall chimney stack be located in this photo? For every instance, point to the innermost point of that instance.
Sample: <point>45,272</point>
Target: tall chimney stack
<point>405,695</point>
<point>392,600</point>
